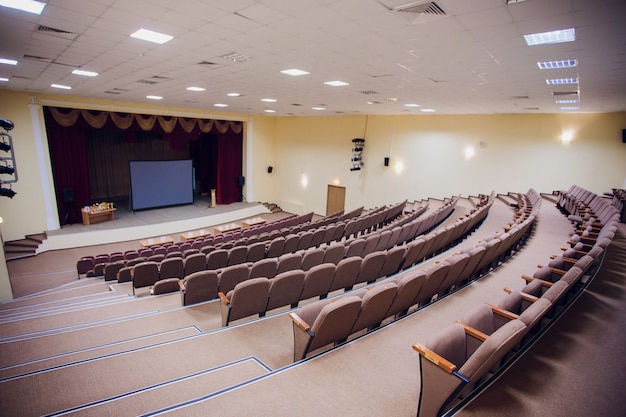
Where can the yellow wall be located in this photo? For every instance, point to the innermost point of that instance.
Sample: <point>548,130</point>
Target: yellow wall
<point>513,153</point>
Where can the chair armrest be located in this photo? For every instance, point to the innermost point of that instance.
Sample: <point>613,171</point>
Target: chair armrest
<point>525,296</point>
<point>223,297</point>
<point>470,331</point>
<point>299,322</point>
<point>587,245</point>
<point>181,285</point>
<point>435,358</point>
<point>503,313</point>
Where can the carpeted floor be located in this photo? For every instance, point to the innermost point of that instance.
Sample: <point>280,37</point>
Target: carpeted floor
<point>118,359</point>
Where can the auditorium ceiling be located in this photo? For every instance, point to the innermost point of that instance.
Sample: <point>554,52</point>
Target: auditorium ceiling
<point>391,56</point>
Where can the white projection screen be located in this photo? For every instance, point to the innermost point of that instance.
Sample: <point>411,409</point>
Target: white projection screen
<point>160,183</point>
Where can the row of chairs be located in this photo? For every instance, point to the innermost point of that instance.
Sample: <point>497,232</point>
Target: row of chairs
<point>466,354</point>
<point>379,252</point>
<point>94,266</point>
<point>322,323</point>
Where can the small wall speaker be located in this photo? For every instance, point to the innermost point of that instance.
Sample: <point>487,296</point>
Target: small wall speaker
<point>270,169</point>
<point>241,181</point>
<point>623,135</point>
<point>386,161</point>
<point>68,195</point>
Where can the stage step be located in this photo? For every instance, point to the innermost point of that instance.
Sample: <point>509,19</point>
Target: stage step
<point>23,248</point>
<point>274,208</point>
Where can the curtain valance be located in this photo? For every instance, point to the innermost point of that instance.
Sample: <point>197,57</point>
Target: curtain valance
<point>97,119</point>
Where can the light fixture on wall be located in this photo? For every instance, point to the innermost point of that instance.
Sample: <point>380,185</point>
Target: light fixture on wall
<point>399,167</point>
<point>304,180</point>
<point>567,137</point>
<point>469,152</point>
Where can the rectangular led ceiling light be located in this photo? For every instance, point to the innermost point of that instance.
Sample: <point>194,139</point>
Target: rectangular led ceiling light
<point>555,36</point>
<point>61,86</point>
<point>8,61</point>
<point>85,73</point>
<point>151,36</point>
<point>30,6</point>
<point>336,83</point>
<point>295,72</point>
<point>558,81</point>
<point>565,63</point>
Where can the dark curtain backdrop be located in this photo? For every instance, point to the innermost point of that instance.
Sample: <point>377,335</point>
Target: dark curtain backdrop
<point>94,162</point>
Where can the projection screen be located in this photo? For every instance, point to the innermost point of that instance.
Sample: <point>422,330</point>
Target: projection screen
<point>160,183</point>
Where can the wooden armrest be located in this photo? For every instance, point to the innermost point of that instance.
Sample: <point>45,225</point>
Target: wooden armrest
<point>435,358</point>
<point>529,297</point>
<point>587,245</point>
<point>181,285</point>
<point>580,252</point>
<point>544,283</point>
<point>588,239</point>
<point>503,313</point>
<point>223,297</point>
<point>476,334</point>
<point>558,271</point>
<point>527,278</point>
<point>299,322</point>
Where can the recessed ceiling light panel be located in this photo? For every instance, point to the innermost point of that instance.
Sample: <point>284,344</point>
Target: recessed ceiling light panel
<point>269,100</point>
<point>295,72</point>
<point>233,94</point>
<point>336,83</point>
<point>565,63</point>
<point>220,105</point>
<point>155,97</point>
<point>8,61</point>
<point>196,89</point>
<point>30,6</point>
<point>559,81</point>
<point>152,36</point>
<point>4,79</point>
<point>85,73</point>
<point>428,110</point>
<point>555,36</point>
<point>61,86</point>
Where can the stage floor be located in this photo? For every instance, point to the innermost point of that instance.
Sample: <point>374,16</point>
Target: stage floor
<point>143,224</point>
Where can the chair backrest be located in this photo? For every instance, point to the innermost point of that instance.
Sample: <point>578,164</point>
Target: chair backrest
<point>111,269</point>
<point>375,302</point>
<point>84,265</point>
<point>172,268</point>
<point>232,275</point>
<point>285,289</point>
<point>256,252</point>
<point>393,261</point>
<point>246,299</point>
<point>434,277</point>
<point>335,320</point>
<point>288,262</point>
<point>199,286</point>
<point>145,274</point>
<point>371,242</point>
<point>165,286</point>
<point>305,240</point>
<point>264,268</point>
<point>334,253</point>
<point>355,248</point>
<point>276,247</point>
<point>346,273</point>
<point>194,263</point>
<point>317,281</point>
<point>291,243</point>
<point>409,285</point>
<point>217,259</point>
<point>370,268</point>
<point>237,255</point>
<point>311,258</point>
<point>457,263</point>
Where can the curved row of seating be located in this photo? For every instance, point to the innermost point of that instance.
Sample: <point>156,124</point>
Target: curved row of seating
<point>327,229</point>
<point>455,362</point>
<point>414,288</point>
<point>379,251</point>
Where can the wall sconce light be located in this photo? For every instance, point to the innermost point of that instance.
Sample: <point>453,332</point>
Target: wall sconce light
<point>469,152</point>
<point>399,167</point>
<point>304,180</point>
<point>567,136</point>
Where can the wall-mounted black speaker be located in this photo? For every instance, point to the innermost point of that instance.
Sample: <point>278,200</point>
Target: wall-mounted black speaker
<point>623,135</point>
<point>68,195</point>
<point>241,180</point>
<point>386,161</point>
<point>270,169</point>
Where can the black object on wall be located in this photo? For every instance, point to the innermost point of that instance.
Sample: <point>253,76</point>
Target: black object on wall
<point>624,135</point>
<point>68,195</point>
<point>386,161</point>
<point>270,169</point>
<point>241,180</point>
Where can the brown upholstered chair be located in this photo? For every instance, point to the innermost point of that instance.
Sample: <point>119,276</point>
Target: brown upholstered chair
<point>323,323</point>
<point>194,263</point>
<point>198,287</point>
<point>145,274</point>
<point>285,289</point>
<point>165,286</point>
<point>232,275</point>
<point>346,273</point>
<point>246,299</point>
<point>317,281</point>
<point>375,302</point>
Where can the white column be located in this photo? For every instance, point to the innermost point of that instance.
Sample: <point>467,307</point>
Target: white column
<point>52,218</point>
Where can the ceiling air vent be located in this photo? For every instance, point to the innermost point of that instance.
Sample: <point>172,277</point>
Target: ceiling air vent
<point>369,92</point>
<point>60,33</point>
<point>147,82</point>
<point>420,11</point>
<point>565,93</point>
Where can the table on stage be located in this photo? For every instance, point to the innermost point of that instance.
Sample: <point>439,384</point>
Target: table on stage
<point>90,216</point>
<point>157,241</point>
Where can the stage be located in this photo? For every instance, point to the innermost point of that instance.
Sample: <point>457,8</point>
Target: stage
<point>150,223</point>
